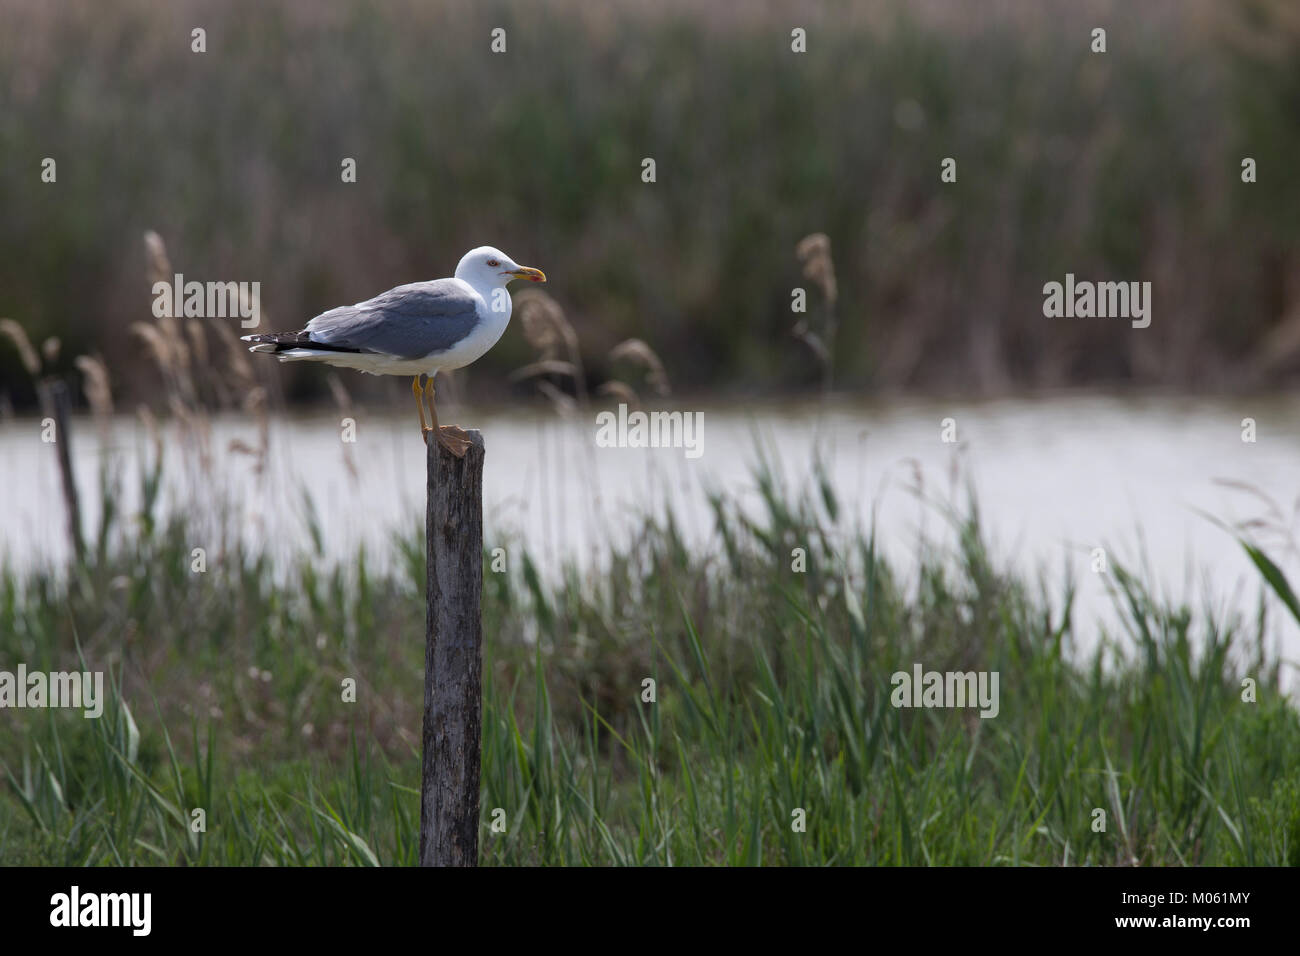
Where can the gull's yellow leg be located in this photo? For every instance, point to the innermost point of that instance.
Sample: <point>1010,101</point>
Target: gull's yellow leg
<point>433,408</point>
<point>451,437</point>
<point>415,390</point>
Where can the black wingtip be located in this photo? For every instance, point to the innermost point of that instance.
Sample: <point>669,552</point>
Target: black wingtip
<point>283,341</point>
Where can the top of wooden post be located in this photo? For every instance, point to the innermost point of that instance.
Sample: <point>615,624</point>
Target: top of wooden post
<point>437,455</point>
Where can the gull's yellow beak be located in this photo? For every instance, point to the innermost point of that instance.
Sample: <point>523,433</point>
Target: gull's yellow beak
<point>532,275</point>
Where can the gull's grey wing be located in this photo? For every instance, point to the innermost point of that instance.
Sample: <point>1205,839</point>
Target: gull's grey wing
<point>409,322</point>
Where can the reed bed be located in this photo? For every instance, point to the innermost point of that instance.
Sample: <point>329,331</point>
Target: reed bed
<point>1121,166</point>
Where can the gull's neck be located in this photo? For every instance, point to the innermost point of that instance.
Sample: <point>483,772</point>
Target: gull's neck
<point>484,286</point>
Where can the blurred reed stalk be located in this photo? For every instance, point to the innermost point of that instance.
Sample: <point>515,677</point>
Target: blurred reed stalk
<point>56,404</point>
<point>547,329</point>
<point>814,252</point>
<point>559,355</point>
<point>195,383</point>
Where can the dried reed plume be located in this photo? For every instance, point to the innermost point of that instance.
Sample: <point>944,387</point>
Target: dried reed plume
<point>180,349</point>
<point>638,353</point>
<point>237,363</point>
<point>814,252</point>
<point>543,322</point>
<point>16,334</point>
<point>158,267</point>
<point>198,342</point>
<point>622,391</point>
<point>50,349</point>
<point>546,366</point>
<point>551,334</point>
<point>154,341</point>
<point>546,329</point>
<point>99,395</point>
<point>563,402</point>
<point>255,404</point>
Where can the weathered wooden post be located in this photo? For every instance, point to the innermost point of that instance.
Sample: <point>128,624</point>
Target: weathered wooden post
<point>453,657</point>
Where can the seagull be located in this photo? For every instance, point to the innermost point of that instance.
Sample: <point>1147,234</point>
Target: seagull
<point>416,329</point>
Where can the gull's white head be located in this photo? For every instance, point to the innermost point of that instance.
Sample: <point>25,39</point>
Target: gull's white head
<point>489,268</point>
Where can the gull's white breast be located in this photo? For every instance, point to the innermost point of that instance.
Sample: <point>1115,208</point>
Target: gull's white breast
<point>491,326</point>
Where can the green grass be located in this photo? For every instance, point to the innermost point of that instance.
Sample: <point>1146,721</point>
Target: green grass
<point>772,695</point>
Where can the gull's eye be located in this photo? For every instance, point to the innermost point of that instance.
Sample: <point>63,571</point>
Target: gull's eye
<point>493,263</point>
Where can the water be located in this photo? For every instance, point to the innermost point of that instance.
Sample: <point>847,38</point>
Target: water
<point>1055,478</point>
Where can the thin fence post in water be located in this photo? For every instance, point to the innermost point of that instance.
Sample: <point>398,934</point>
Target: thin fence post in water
<point>57,405</point>
<point>453,657</point>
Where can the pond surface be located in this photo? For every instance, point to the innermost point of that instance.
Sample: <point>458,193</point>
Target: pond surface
<point>1055,478</point>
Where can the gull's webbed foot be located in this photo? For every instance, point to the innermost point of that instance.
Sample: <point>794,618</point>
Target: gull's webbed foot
<point>455,439</point>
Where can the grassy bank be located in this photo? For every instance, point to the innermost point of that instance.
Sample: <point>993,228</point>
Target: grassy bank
<point>772,695</point>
